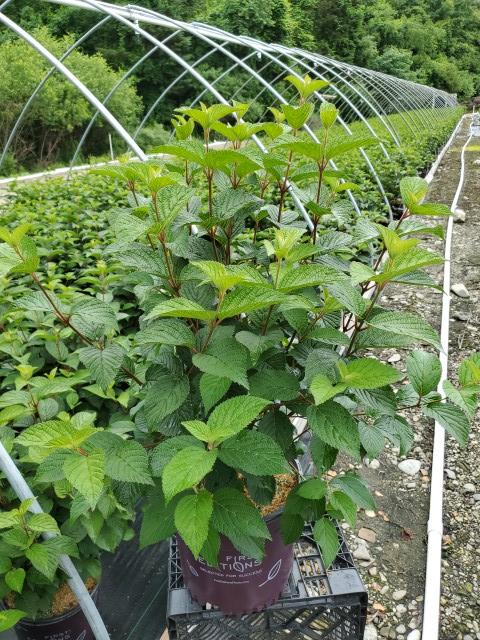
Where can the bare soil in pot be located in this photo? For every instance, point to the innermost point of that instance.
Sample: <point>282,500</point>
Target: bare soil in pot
<point>240,584</point>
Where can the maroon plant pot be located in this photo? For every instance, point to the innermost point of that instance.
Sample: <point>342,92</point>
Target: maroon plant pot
<point>239,584</point>
<point>70,626</point>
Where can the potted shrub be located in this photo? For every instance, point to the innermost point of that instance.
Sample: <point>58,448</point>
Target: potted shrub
<point>237,319</point>
<point>72,467</point>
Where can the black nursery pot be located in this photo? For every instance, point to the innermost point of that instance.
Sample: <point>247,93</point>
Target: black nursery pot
<point>70,626</point>
<point>239,584</point>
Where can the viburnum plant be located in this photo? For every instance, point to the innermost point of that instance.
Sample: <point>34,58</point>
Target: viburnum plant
<point>237,316</point>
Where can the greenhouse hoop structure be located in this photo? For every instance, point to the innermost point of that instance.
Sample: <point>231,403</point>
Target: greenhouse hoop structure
<point>359,94</point>
<point>258,70</point>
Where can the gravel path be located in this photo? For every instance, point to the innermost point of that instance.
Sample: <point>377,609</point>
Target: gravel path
<point>390,543</point>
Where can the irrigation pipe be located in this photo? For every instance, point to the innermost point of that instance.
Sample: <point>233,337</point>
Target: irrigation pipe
<point>431,612</point>
<point>23,491</point>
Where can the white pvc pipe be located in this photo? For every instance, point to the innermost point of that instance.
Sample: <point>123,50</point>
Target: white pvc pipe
<point>433,575</point>
<point>23,491</point>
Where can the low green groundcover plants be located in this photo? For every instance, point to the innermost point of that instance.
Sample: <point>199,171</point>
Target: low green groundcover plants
<point>230,316</point>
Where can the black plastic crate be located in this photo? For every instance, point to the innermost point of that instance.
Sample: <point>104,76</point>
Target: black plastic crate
<point>315,605</point>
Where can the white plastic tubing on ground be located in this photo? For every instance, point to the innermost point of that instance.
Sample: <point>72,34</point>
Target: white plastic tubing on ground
<point>431,613</point>
<point>23,491</point>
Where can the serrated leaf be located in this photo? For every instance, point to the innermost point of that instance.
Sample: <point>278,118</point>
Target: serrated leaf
<point>86,473</point>
<point>158,519</point>
<point>253,452</point>
<point>413,190</point>
<point>372,439</point>
<point>211,548</point>
<point>246,299</point>
<point>103,364</point>
<point>10,617</point>
<point>90,316</point>
<point>452,419</point>
<point>43,559</point>
<point>326,536</point>
<point>274,384</point>
<point>354,487</point>
<point>377,400</point>
<point>170,331</point>
<point>181,308</point>
<point>236,517</point>
<point>233,415</point>
<point>406,324</point>
<point>368,373</point>
<point>212,389</point>
<point>413,260</point>
<point>304,276</point>
<point>345,505</point>
<point>313,489</point>
<point>463,398</point>
<point>334,425</point>
<point>164,396</point>
<point>42,522</point>
<point>186,469</point>
<point>397,430</point>
<point>15,579</point>
<point>233,370</point>
<point>424,371</point>
<point>349,297</point>
<point>322,389</point>
<point>192,518</point>
<point>165,451</point>
<point>128,462</point>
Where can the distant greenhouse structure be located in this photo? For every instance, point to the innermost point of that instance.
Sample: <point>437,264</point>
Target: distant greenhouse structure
<point>247,70</point>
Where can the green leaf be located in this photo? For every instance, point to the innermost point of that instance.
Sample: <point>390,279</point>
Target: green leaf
<point>322,389</point>
<point>323,455</point>
<point>181,308</point>
<point>91,316</point>
<point>15,579</point>
<point>43,559</point>
<point>339,148</point>
<point>103,364</point>
<point>413,260</point>
<point>234,415</point>
<point>463,398</point>
<point>257,344</point>
<point>10,617</point>
<point>333,424</point>
<point>246,299</point>
<point>413,190</point>
<point>186,469</point>
<point>169,331</point>
<point>345,505</point>
<point>306,275</point>
<point>313,489</point>
<point>291,527</point>
<point>192,518</point>
<point>158,519</point>
<point>452,419</point>
<point>42,522</point>
<point>424,371</point>
<point>236,517</point>
<point>326,537</point>
<point>377,400</point>
<point>86,473</point>
<point>397,430</point>
<point>354,487</point>
<point>253,452</point>
<point>166,450</point>
<point>406,324</point>
<point>430,209</point>
<point>211,548</point>
<point>165,395</point>
<point>349,297</point>
<point>274,384</point>
<point>368,373</point>
<point>372,439</point>
<point>297,116</point>
<point>235,370</point>
<point>212,389</point>
<point>128,462</point>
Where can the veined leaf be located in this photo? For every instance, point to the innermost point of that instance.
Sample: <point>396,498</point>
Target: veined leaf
<point>186,469</point>
<point>313,489</point>
<point>103,364</point>
<point>181,308</point>
<point>234,415</point>
<point>128,462</point>
<point>170,331</point>
<point>326,536</point>
<point>86,473</point>
<point>452,419</point>
<point>413,190</point>
<point>406,324</point>
<point>253,452</point>
<point>322,389</point>
<point>333,424</point>
<point>192,518</point>
<point>424,371</point>
<point>212,389</point>
<point>354,487</point>
<point>304,276</point>
<point>247,299</point>
<point>345,505</point>
<point>368,373</point>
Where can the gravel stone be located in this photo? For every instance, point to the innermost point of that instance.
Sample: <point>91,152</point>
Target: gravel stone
<point>414,635</point>
<point>459,215</point>
<point>460,290</point>
<point>367,534</point>
<point>370,632</point>
<point>410,467</point>
<point>469,488</point>
<point>362,553</point>
<point>399,595</point>
<point>461,315</point>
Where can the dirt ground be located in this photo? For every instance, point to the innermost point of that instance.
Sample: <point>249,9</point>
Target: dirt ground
<point>395,572</point>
